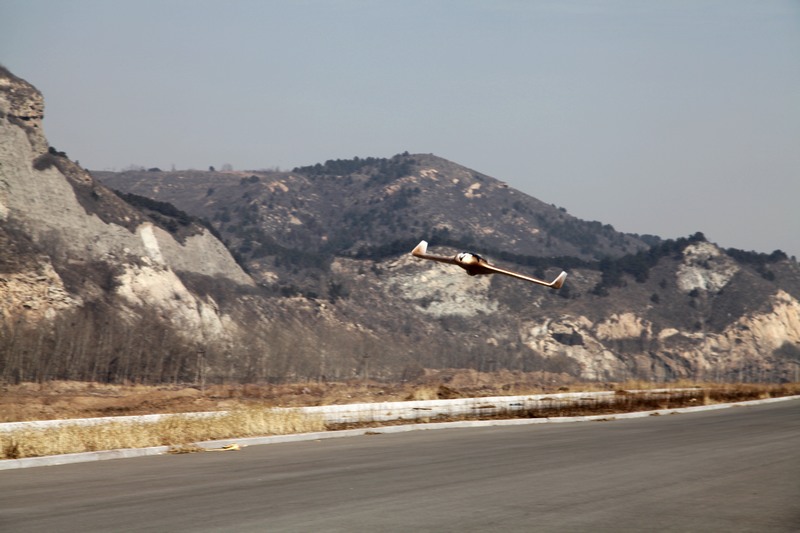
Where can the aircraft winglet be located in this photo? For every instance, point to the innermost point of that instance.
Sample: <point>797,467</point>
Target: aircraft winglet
<point>421,249</point>
<point>559,281</point>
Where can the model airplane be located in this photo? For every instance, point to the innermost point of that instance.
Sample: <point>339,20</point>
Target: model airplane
<point>475,264</point>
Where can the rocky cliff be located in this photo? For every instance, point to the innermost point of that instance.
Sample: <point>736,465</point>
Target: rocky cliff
<point>69,241</point>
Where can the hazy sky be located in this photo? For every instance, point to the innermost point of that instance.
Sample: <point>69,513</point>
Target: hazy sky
<point>661,117</point>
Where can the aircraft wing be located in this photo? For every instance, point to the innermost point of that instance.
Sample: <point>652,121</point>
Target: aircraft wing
<point>555,284</point>
<point>421,251</point>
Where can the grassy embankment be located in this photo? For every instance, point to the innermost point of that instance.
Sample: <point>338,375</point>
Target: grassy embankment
<point>249,414</point>
<point>178,432</point>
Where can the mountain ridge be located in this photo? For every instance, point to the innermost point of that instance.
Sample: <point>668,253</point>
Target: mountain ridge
<point>413,194</point>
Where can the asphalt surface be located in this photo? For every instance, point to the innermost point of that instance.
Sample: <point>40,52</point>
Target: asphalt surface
<point>736,469</point>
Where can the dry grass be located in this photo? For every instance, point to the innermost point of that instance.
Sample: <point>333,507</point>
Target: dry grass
<point>179,432</point>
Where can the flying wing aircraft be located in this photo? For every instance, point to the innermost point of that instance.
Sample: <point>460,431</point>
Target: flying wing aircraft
<point>476,265</point>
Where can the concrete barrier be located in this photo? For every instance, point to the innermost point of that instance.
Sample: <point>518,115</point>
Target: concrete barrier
<point>426,409</point>
<point>386,411</point>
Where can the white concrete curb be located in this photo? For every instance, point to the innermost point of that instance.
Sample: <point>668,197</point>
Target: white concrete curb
<point>9,464</point>
<point>51,460</point>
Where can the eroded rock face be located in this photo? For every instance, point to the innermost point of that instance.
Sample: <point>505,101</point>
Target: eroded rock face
<point>158,288</point>
<point>761,334</point>
<point>40,294</point>
<point>23,105</point>
<point>622,342</point>
<point>21,99</point>
<point>74,220</point>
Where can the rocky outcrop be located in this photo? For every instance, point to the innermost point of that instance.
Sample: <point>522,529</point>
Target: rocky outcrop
<point>629,345</point>
<point>23,105</point>
<point>706,268</point>
<point>41,294</point>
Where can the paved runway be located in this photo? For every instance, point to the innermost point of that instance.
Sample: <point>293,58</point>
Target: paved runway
<point>735,469</point>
